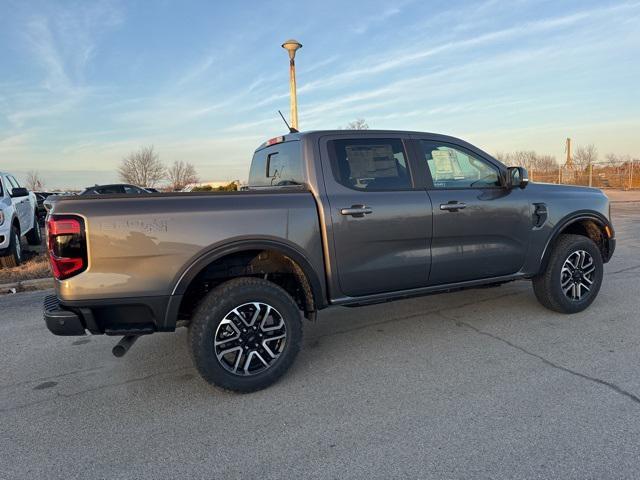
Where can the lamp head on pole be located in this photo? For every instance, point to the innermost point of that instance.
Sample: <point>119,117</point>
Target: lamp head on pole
<point>291,46</point>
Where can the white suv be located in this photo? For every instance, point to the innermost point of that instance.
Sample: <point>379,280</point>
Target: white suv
<point>18,217</point>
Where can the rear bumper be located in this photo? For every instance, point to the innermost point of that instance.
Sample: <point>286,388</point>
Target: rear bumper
<point>59,320</point>
<point>128,316</point>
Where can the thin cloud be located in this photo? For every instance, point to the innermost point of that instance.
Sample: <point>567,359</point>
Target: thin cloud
<point>398,59</point>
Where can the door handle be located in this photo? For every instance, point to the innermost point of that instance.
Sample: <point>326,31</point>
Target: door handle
<point>357,211</point>
<point>453,206</point>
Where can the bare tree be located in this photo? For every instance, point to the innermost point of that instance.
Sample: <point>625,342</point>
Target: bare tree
<point>358,124</point>
<point>504,158</point>
<point>585,155</point>
<point>545,163</point>
<point>181,174</point>
<point>525,159</point>
<point>34,182</point>
<point>529,160</point>
<point>612,159</point>
<point>142,168</point>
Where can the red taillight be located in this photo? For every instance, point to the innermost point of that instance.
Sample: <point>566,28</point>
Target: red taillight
<point>64,226</point>
<point>67,246</point>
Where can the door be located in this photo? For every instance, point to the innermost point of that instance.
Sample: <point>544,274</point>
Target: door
<point>21,204</point>
<point>380,227</point>
<point>480,228</point>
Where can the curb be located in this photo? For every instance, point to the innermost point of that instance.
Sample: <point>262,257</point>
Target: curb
<point>26,285</point>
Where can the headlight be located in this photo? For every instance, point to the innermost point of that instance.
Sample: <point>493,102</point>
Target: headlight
<point>1,217</point>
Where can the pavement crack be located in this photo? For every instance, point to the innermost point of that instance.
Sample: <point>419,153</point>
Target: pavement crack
<point>599,381</point>
<point>414,315</point>
<point>125,382</point>
<point>624,270</point>
<point>50,377</point>
<point>58,395</point>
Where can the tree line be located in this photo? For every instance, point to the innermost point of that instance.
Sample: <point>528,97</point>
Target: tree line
<point>583,156</point>
<point>144,168</point>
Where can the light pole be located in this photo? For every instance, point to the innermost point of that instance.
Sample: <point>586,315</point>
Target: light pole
<point>291,46</point>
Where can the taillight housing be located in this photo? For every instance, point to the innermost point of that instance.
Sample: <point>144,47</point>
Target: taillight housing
<point>67,245</point>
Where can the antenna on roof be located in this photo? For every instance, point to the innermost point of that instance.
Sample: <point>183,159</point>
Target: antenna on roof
<point>291,130</point>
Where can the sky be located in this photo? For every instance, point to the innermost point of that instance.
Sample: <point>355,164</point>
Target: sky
<point>84,83</point>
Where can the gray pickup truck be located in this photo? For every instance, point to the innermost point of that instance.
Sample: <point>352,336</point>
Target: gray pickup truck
<point>330,218</point>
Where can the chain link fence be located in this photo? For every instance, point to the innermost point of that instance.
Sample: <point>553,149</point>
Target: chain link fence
<point>622,175</point>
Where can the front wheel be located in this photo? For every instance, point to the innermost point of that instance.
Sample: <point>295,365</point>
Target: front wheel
<point>245,334</point>
<point>573,276</point>
<point>14,256</point>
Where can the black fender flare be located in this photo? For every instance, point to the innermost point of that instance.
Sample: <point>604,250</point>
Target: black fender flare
<point>236,246</point>
<point>568,220</point>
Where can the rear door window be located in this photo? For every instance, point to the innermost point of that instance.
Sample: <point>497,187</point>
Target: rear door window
<point>112,189</point>
<point>278,165</point>
<point>370,164</point>
<point>133,190</point>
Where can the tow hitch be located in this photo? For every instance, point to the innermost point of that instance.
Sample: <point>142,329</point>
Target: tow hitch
<point>124,345</point>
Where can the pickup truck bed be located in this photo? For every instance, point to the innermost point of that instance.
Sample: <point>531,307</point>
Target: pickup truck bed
<point>144,251</point>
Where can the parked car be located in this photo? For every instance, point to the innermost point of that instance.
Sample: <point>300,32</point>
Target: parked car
<point>40,209</point>
<point>331,218</point>
<point>18,218</point>
<point>114,189</point>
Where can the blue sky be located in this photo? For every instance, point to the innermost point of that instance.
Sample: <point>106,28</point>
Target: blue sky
<point>84,83</point>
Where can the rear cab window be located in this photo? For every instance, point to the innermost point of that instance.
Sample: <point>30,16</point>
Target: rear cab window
<point>277,165</point>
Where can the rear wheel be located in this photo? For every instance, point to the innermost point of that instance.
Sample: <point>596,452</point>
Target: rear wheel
<point>573,276</point>
<point>14,257</point>
<point>245,334</point>
<point>34,237</point>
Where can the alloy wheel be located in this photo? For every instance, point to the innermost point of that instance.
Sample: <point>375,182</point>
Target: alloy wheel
<point>577,275</point>
<point>250,338</point>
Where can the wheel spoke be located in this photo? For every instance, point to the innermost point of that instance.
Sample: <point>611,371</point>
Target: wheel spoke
<point>255,314</point>
<point>226,324</point>
<point>268,349</point>
<point>265,317</point>
<point>247,363</point>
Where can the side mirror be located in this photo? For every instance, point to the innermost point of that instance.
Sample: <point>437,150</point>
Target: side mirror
<point>518,177</point>
<point>19,192</point>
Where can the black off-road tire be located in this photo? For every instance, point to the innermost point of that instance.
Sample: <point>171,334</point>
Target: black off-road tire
<point>219,303</point>
<point>34,237</point>
<point>547,284</point>
<point>14,257</point>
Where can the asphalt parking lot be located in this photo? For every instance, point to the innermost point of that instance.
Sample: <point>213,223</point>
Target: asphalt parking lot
<point>476,384</point>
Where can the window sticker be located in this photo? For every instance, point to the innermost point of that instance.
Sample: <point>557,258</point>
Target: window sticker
<point>366,161</point>
<point>446,164</point>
